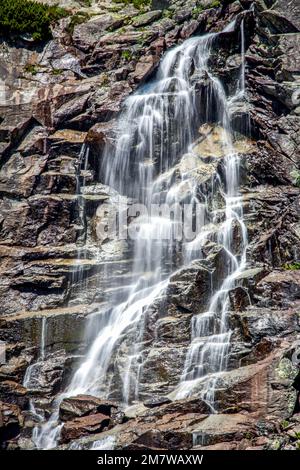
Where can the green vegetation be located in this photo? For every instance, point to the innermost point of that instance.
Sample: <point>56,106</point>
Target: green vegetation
<point>197,11</point>
<point>140,4</point>
<point>215,4</point>
<point>295,174</point>
<point>31,68</point>
<point>126,55</point>
<point>57,71</point>
<point>284,424</point>
<point>167,13</point>
<point>28,17</point>
<point>85,3</point>
<point>291,266</point>
<point>200,8</point>
<point>79,18</point>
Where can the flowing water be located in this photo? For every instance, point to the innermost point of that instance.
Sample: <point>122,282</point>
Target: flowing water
<point>159,125</point>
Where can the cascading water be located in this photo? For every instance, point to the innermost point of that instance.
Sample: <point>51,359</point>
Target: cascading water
<point>158,126</point>
<point>32,372</point>
<point>151,123</point>
<point>209,348</point>
<point>208,352</point>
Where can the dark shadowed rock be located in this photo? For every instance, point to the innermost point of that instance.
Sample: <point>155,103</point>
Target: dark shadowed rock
<point>83,426</point>
<point>13,392</point>
<point>11,421</point>
<point>83,405</point>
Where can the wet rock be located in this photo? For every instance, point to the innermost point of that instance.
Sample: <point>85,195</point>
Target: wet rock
<point>144,68</point>
<point>64,328</point>
<point>40,220</point>
<point>258,323</point>
<point>223,428</point>
<point>83,405</point>
<point>83,426</point>
<point>189,29</point>
<point>13,392</point>
<point>41,135</point>
<point>156,401</point>
<point>15,366</point>
<point>11,421</point>
<point>101,134</point>
<point>280,288</point>
<point>275,397</point>
<point>155,439</point>
<point>44,377</point>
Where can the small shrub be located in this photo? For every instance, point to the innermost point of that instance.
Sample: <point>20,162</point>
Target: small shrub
<point>291,266</point>
<point>31,68</point>
<point>284,424</point>
<point>28,17</point>
<point>126,55</point>
<point>215,4</point>
<point>200,8</point>
<point>167,13</point>
<point>197,11</point>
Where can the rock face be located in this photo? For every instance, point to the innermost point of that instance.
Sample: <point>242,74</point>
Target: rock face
<point>83,405</point>
<point>51,254</point>
<point>83,426</point>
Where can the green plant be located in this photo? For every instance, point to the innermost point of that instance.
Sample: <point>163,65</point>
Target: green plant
<point>215,4</point>
<point>197,11</point>
<point>200,8</point>
<point>57,71</point>
<point>167,13</point>
<point>284,424</point>
<point>28,17</point>
<point>295,174</point>
<point>126,55</point>
<point>140,4</point>
<point>79,18</point>
<point>291,267</point>
<point>31,68</point>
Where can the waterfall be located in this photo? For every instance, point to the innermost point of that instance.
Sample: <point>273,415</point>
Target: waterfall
<point>77,275</point>
<point>144,150</point>
<point>32,371</point>
<point>43,338</point>
<point>150,165</point>
<point>208,352</point>
<point>242,73</point>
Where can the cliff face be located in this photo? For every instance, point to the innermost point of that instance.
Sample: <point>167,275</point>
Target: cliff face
<point>68,92</point>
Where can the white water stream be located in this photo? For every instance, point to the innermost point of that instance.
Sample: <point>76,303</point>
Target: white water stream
<point>160,123</point>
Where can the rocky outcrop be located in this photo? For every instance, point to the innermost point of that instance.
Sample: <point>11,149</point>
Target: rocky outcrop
<point>59,98</point>
<point>83,405</point>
